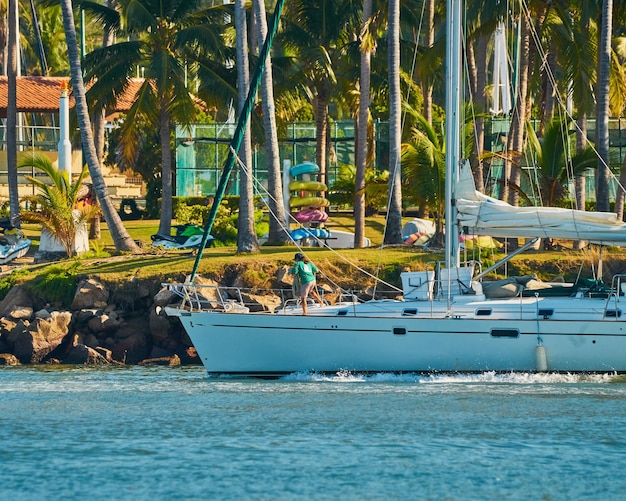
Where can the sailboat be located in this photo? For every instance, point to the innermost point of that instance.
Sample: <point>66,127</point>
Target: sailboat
<point>449,319</point>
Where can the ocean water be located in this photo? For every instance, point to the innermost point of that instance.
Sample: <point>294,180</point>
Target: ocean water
<point>174,433</point>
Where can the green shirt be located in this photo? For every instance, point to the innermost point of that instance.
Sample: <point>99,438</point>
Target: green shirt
<point>304,271</point>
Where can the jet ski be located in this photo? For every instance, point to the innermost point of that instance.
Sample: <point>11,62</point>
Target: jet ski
<point>13,243</point>
<point>186,236</point>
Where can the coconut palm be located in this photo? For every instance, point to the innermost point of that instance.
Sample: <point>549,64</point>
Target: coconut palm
<point>246,236</point>
<point>554,167</point>
<point>602,107</point>
<point>315,33</point>
<point>424,169</point>
<point>276,232</point>
<point>11,124</point>
<point>393,231</point>
<point>174,43</point>
<point>121,239</point>
<point>367,45</point>
<point>55,207</point>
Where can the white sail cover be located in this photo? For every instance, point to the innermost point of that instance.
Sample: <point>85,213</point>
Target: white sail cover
<point>484,215</point>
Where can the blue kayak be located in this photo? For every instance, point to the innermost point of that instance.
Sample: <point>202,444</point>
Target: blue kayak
<point>304,168</point>
<point>300,233</point>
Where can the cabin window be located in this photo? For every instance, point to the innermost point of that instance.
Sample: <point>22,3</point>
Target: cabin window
<point>408,312</point>
<point>545,313</point>
<point>399,331</point>
<point>505,332</point>
<point>342,313</point>
<point>613,313</point>
<point>483,312</point>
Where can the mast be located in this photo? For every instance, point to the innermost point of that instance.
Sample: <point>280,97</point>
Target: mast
<point>453,122</point>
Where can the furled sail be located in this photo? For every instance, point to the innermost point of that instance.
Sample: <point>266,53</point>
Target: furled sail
<point>484,215</point>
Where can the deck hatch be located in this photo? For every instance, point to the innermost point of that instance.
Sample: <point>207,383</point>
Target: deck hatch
<point>505,332</point>
<point>613,313</point>
<point>545,312</point>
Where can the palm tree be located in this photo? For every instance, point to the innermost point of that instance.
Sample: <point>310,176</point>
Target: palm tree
<point>174,43</point>
<point>424,167</point>
<point>246,235</point>
<point>11,124</point>
<point>317,32</point>
<point>424,171</point>
<point>602,109</point>
<point>121,239</point>
<point>393,231</point>
<point>367,45</point>
<point>553,163</point>
<point>55,206</point>
<point>277,216</point>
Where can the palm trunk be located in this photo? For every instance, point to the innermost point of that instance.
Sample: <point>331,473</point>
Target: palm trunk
<point>11,123</point>
<point>580,180</point>
<point>320,108</point>
<point>121,238</point>
<point>515,143</point>
<point>99,121</point>
<point>393,232</point>
<point>481,103</point>
<point>277,233</point>
<point>165,222</point>
<point>602,113</point>
<point>427,89</point>
<point>246,235</point>
<point>361,139</point>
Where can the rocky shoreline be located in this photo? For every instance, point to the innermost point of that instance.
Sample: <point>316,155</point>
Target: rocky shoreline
<point>93,330</point>
<point>105,325</point>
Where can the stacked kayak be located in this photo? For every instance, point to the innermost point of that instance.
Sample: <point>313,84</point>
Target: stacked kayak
<point>307,200</point>
<point>305,192</point>
<point>311,216</point>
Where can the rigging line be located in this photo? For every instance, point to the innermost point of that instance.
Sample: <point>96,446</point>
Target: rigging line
<point>540,50</point>
<point>262,189</point>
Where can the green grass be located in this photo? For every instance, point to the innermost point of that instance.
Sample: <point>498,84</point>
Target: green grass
<point>342,267</point>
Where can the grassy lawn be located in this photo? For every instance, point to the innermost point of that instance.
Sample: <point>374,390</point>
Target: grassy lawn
<point>345,266</point>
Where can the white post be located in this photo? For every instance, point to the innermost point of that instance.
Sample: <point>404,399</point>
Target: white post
<point>65,147</point>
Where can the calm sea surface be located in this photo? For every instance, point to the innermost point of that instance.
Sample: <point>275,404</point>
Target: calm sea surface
<point>174,433</point>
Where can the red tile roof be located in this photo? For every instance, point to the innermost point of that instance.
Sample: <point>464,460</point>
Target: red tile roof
<point>41,94</point>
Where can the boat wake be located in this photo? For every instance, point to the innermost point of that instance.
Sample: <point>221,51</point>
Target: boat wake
<point>447,378</point>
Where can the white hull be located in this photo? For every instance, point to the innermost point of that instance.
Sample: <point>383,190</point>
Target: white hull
<point>576,336</point>
<point>13,251</point>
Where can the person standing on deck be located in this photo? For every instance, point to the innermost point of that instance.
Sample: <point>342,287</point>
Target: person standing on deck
<point>305,272</point>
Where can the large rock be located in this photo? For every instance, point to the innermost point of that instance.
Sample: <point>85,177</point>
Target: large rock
<point>162,330</point>
<point>103,323</point>
<point>82,354</point>
<point>18,298</point>
<point>8,359</point>
<point>256,302</point>
<point>132,349</point>
<point>33,342</point>
<point>90,294</point>
<point>165,297</point>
